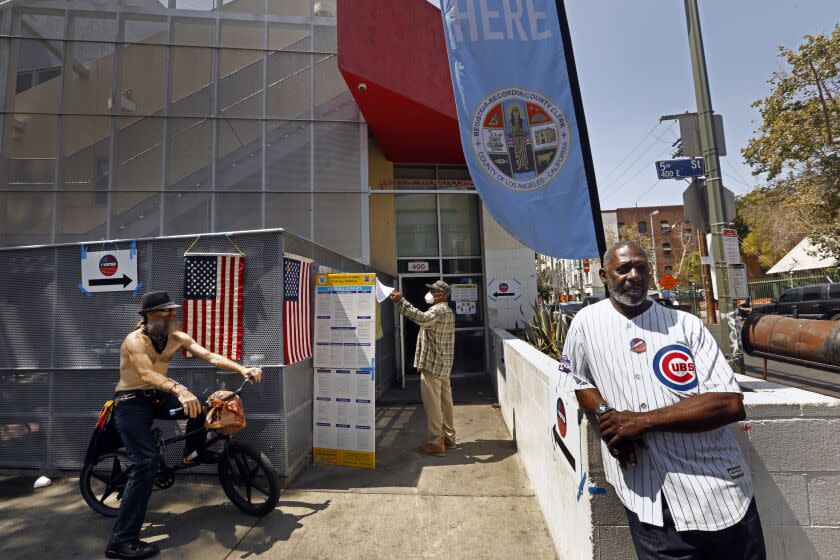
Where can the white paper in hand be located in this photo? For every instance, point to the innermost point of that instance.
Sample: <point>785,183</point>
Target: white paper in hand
<point>382,291</point>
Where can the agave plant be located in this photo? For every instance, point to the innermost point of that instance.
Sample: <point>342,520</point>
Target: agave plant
<point>547,330</point>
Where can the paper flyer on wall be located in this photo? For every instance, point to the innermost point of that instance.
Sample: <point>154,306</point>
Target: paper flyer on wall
<point>345,370</point>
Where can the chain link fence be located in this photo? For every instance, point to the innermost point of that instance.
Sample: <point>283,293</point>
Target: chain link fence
<point>60,358</point>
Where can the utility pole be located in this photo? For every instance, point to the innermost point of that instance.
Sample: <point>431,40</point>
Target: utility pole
<point>730,334</point>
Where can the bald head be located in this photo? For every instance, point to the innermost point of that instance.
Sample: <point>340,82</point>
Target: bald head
<point>621,245</point>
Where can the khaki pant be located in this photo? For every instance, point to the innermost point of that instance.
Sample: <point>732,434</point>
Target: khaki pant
<point>437,400</point>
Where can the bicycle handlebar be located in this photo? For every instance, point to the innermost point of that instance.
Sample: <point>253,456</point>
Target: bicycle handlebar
<point>174,411</point>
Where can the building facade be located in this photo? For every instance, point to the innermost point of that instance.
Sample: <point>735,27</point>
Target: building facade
<point>130,119</point>
<point>665,227</point>
<point>141,118</point>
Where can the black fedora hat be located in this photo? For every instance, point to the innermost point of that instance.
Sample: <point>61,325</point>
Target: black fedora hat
<point>156,301</point>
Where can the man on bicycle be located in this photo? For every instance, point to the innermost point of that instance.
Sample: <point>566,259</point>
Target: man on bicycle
<point>146,392</point>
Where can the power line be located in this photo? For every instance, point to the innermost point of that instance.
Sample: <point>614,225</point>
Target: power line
<point>738,173</point>
<point>614,190</point>
<point>742,190</point>
<point>630,167</point>
<point>614,169</point>
<point>636,202</point>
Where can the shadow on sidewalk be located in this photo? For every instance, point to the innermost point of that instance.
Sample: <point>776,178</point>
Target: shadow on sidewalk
<point>401,427</point>
<point>221,523</point>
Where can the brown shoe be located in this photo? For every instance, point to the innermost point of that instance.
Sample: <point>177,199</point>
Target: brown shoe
<point>438,450</point>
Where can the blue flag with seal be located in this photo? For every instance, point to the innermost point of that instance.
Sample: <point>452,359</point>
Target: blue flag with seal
<point>521,122</point>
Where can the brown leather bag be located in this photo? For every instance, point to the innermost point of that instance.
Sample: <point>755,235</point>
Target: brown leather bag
<point>225,416</point>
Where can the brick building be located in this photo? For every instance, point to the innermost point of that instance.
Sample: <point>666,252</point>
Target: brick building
<point>673,235</point>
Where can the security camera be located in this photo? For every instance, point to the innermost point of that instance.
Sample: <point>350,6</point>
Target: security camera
<point>362,87</point>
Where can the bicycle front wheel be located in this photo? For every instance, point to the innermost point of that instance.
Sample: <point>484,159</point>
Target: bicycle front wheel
<point>102,483</point>
<point>248,479</point>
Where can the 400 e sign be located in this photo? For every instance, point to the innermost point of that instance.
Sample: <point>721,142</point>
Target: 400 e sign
<point>680,168</point>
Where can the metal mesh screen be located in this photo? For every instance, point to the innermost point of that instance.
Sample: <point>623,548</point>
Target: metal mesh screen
<point>61,348</point>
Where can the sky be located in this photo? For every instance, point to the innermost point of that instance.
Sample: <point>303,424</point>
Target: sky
<point>634,66</point>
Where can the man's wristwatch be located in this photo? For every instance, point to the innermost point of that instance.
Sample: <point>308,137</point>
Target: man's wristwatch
<point>602,408</point>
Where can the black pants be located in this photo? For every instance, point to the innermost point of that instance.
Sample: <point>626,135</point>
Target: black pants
<point>134,419</point>
<point>742,541</point>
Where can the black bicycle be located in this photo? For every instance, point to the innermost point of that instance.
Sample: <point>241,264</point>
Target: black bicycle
<point>246,474</point>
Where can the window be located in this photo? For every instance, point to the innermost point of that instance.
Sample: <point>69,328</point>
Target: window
<point>666,227</point>
<point>666,249</point>
<point>642,227</point>
<point>790,296</point>
<point>811,293</point>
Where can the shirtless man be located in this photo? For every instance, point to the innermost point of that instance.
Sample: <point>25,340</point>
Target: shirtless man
<point>146,392</point>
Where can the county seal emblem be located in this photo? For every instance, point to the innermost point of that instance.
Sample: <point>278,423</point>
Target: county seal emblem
<point>520,138</point>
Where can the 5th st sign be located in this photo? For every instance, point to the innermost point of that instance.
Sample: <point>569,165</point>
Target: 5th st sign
<point>108,271</point>
<point>680,168</point>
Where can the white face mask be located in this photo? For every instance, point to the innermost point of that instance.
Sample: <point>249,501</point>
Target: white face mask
<point>430,299</point>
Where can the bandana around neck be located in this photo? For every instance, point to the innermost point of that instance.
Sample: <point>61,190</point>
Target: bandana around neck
<point>159,342</point>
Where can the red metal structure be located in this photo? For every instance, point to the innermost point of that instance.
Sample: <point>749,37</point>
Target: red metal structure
<point>393,57</point>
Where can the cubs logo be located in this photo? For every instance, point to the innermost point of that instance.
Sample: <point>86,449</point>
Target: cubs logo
<point>673,365</point>
<point>520,138</point>
<point>638,345</point>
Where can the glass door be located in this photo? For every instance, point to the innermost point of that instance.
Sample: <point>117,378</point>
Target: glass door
<point>439,236</point>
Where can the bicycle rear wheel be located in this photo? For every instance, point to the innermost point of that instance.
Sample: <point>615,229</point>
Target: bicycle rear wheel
<point>102,483</point>
<point>248,479</point>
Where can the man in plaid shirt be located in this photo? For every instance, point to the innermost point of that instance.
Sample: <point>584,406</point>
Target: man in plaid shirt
<point>433,359</point>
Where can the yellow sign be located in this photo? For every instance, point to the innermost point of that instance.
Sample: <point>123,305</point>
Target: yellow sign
<point>342,458</point>
<point>345,279</point>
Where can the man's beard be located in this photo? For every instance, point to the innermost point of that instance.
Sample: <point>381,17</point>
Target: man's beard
<point>625,299</point>
<point>161,326</point>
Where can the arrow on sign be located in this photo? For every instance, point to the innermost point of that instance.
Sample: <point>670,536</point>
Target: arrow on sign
<point>497,294</point>
<point>125,281</point>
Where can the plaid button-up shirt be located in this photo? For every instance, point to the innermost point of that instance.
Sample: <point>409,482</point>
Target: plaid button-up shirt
<point>436,340</point>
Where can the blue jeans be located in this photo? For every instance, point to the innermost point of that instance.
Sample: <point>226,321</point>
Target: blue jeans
<point>742,541</point>
<point>134,419</point>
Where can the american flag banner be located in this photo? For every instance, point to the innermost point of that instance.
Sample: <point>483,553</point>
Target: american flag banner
<point>297,310</point>
<point>213,285</point>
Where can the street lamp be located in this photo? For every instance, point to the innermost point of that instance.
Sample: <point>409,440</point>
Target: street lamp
<point>653,249</point>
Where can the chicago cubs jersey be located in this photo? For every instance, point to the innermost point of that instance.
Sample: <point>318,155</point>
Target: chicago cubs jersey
<point>652,361</point>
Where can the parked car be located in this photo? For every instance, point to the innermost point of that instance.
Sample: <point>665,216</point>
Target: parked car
<point>817,301</point>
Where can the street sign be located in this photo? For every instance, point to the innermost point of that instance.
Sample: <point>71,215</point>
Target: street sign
<point>738,286</point>
<point>668,282</point>
<point>108,271</point>
<point>696,205</point>
<point>680,168</point>
<point>690,135</point>
<point>731,252</point>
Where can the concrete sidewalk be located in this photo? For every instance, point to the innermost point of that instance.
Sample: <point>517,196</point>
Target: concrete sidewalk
<point>474,503</point>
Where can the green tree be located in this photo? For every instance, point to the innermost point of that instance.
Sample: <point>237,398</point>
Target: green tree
<point>544,289</point>
<point>798,146</point>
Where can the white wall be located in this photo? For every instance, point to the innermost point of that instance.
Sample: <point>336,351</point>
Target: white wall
<point>508,260</point>
<point>526,379</point>
<point>791,439</point>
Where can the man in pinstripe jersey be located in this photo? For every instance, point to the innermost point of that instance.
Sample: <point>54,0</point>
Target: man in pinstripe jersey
<point>663,395</point>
